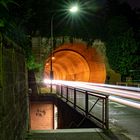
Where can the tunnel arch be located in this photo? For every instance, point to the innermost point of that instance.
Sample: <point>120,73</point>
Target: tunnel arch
<point>76,61</point>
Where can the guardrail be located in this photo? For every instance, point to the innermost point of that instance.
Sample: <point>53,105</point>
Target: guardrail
<point>128,84</point>
<point>93,105</point>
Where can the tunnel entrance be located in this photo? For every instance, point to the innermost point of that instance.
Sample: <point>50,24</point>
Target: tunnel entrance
<point>69,65</point>
<point>76,62</point>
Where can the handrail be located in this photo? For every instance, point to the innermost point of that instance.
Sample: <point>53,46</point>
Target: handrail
<point>92,104</point>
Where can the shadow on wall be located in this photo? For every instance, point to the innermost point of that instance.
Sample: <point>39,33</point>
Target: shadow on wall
<point>112,77</point>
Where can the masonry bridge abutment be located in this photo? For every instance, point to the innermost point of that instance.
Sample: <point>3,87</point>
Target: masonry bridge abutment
<point>77,62</point>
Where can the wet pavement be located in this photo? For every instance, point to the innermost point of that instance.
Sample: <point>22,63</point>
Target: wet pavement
<point>124,120</point>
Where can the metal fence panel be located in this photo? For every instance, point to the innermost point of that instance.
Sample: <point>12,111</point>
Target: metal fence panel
<point>94,105</point>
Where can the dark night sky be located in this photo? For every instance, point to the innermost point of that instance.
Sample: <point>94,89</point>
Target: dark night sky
<point>41,16</point>
<point>134,3</point>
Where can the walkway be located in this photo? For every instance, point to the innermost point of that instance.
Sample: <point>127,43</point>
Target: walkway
<point>75,134</point>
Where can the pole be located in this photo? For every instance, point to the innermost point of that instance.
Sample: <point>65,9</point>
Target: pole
<point>51,51</point>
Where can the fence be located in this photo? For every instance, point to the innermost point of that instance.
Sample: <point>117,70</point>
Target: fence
<point>13,91</point>
<point>93,105</point>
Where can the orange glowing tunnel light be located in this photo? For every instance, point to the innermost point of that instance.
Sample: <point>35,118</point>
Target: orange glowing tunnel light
<point>76,62</point>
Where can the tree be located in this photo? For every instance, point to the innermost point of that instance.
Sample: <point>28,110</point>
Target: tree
<point>121,46</point>
<point>12,23</point>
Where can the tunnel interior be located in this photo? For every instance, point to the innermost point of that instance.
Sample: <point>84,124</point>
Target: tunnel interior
<point>76,62</point>
<point>69,65</point>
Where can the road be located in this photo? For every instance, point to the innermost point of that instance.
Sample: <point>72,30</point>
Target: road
<point>124,120</point>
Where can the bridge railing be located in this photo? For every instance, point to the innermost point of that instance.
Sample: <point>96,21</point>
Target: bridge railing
<point>93,105</point>
<point>128,84</point>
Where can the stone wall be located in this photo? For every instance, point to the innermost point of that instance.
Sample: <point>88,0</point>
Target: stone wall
<point>13,89</point>
<point>41,115</point>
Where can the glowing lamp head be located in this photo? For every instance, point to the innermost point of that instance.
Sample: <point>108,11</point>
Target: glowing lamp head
<point>53,57</point>
<point>74,9</point>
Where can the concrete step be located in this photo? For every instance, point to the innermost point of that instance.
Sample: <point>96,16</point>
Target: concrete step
<point>68,134</point>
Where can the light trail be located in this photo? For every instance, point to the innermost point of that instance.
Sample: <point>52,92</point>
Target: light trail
<point>118,94</point>
<point>115,86</point>
<point>110,91</point>
<point>126,102</point>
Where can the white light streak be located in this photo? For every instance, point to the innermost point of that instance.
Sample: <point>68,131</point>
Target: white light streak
<point>126,102</point>
<point>118,94</point>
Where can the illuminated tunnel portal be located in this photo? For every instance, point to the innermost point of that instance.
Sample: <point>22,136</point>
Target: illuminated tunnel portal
<point>77,62</point>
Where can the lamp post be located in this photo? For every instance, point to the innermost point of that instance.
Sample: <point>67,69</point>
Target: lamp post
<point>72,9</point>
<point>51,51</point>
<point>52,45</point>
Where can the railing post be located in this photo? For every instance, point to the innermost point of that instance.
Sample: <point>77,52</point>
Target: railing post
<point>106,113</point>
<point>86,103</point>
<point>67,94</point>
<point>61,91</point>
<point>57,89</point>
<point>103,112</point>
<point>74,98</point>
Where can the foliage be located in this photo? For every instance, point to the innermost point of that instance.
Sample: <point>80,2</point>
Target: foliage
<point>122,45</point>
<point>12,25</point>
<point>121,52</point>
<point>32,65</point>
<point>5,3</point>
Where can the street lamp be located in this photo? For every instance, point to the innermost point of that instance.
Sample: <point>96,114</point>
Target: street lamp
<point>52,45</point>
<point>72,9</point>
<point>51,51</point>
